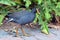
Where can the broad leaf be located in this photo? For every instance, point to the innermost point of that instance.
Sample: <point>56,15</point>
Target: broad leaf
<point>47,14</point>
<point>58,5</point>
<point>44,28</point>
<point>7,2</point>
<point>28,2</point>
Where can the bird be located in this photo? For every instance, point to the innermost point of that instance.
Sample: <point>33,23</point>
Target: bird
<point>22,17</point>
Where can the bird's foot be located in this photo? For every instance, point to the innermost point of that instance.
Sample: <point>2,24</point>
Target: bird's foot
<point>16,35</point>
<point>27,35</point>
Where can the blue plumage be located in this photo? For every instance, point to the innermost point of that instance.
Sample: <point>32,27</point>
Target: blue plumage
<point>22,17</point>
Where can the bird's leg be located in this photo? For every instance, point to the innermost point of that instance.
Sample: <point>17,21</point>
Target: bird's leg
<point>17,32</point>
<point>17,27</point>
<point>24,33</point>
<point>31,25</point>
<point>27,25</point>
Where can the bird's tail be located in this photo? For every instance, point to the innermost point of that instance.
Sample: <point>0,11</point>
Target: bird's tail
<point>9,20</point>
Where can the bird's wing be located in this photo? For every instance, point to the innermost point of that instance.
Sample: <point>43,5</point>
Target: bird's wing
<point>25,19</point>
<point>19,14</point>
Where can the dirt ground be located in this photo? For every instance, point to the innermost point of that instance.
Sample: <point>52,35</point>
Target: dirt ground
<point>7,34</point>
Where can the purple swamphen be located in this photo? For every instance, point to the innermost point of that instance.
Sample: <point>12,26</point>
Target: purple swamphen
<point>22,17</point>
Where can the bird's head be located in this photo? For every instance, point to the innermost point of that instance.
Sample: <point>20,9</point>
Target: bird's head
<point>33,10</point>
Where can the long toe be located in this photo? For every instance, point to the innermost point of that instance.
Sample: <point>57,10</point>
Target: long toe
<point>28,35</point>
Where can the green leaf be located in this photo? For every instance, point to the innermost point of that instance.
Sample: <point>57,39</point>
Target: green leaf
<point>47,14</point>
<point>39,1</point>
<point>35,20</point>
<point>1,19</point>
<point>44,25</point>
<point>7,2</point>
<point>2,15</point>
<point>57,12</point>
<point>58,5</point>
<point>28,2</point>
<point>44,28</point>
<point>40,19</point>
<point>18,1</point>
<point>54,0</point>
